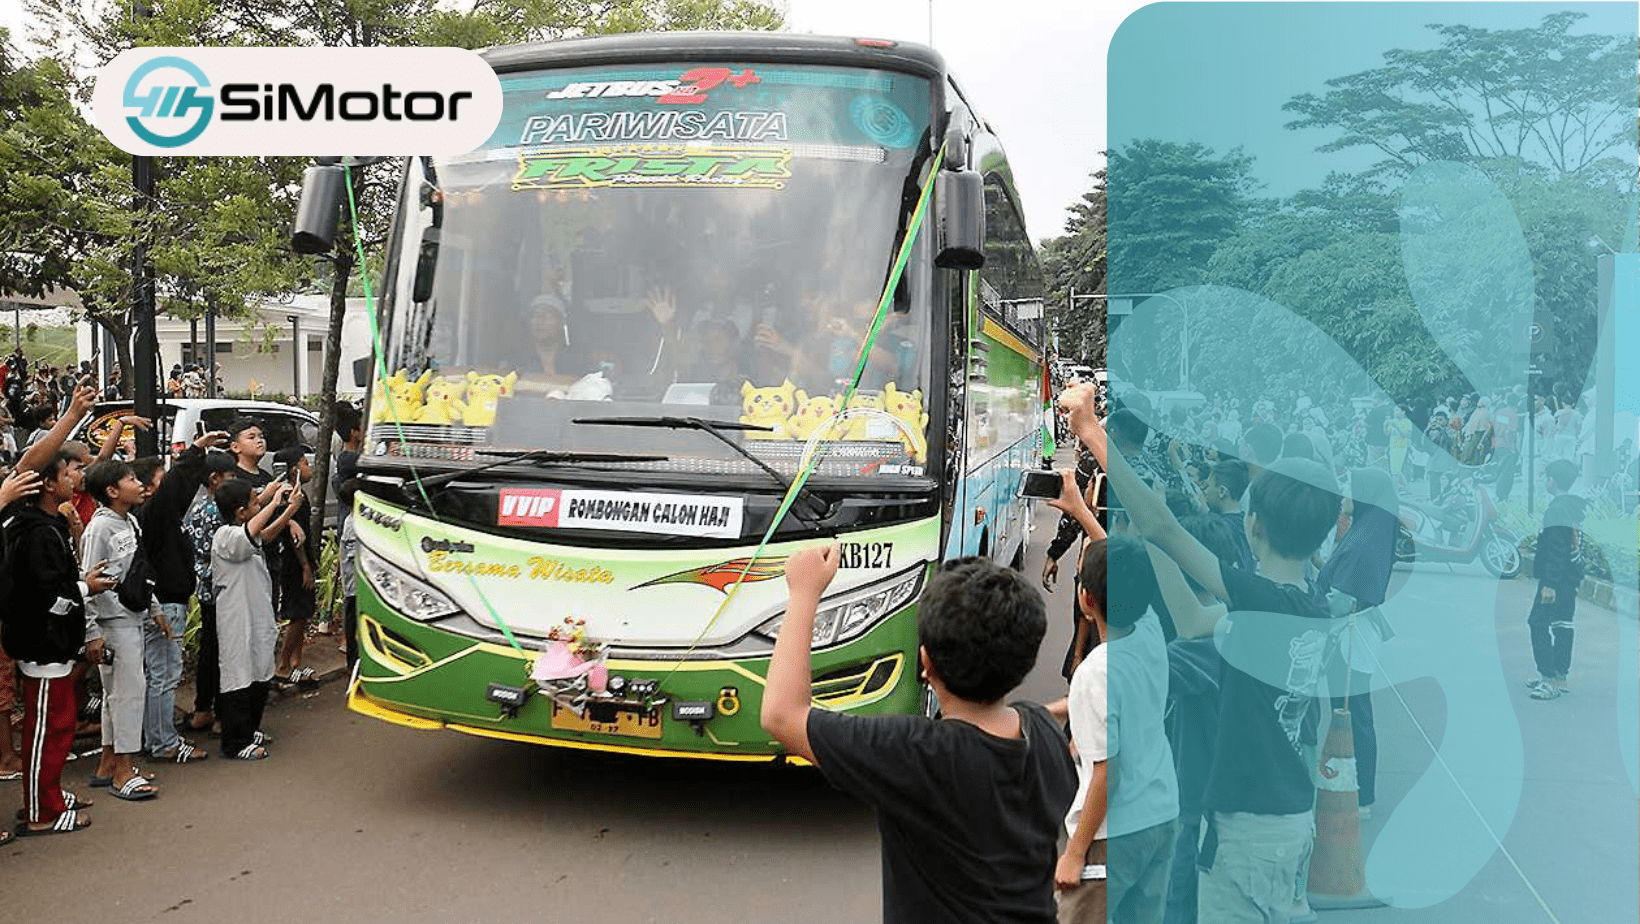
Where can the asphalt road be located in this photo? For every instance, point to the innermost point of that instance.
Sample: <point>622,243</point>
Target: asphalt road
<point>356,820</point>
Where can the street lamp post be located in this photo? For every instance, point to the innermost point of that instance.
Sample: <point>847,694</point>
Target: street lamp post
<point>295,355</point>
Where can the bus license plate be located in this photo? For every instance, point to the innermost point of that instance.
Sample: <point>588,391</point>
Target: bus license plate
<point>627,724</point>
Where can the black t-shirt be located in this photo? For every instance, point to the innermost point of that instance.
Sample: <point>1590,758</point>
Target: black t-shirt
<point>1376,418</point>
<point>1258,765</point>
<point>969,821</point>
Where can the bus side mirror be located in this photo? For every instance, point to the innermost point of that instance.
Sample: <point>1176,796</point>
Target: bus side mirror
<point>959,197</point>
<point>426,262</point>
<point>319,210</point>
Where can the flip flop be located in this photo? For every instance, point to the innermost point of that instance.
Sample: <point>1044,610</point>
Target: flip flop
<point>250,752</point>
<point>183,753</point>
<point>136,789</point>
<point>104,782</point>
<point>70,802</point>
<point>66,823</point>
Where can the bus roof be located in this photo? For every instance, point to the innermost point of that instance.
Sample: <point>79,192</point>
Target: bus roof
<point>776,47</point>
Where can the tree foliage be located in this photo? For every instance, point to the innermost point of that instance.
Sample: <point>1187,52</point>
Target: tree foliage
<point>1427,287</point>
<point>1076,263</point>
<point>1542,94</point>
<point>218,237</point>
<point>1170,206</point>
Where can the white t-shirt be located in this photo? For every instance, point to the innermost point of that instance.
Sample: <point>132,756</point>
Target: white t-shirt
<point>1117,701</point>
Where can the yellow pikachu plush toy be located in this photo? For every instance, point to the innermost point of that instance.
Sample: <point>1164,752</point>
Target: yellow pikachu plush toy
<point>400,400</point>
<point>484,392</point>
<point>443,404</point>
<point>767,407</point>
<point>859,427</point>
<point>811,414</point>
<point>908,407</point>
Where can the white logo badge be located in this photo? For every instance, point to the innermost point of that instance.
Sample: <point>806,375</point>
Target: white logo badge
<point>297,101</point>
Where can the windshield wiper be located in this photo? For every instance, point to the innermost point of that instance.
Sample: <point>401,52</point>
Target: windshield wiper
<point>546,456</point>
<point>820,509</point>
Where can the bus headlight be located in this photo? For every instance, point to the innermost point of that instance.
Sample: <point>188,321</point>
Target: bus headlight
<point>409,595</point>
<point>849,615</point>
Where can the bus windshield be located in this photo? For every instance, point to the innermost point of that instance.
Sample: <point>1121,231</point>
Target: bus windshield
<point>708,241</point>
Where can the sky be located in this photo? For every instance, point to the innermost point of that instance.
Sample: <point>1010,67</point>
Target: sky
<point>1037,74</point>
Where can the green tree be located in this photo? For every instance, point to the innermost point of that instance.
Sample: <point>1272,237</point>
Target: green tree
<point>1542,94</point>
<point>1076,262</point>
<point>1170,205</point>
<point>64,223</point>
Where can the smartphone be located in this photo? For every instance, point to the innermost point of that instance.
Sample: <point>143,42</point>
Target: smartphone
<point>281,470</point>
<point>199,429</point>
<point>1041,483</point>
<point>295,474</point>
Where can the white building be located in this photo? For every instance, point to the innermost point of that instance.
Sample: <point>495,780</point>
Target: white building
<point>251,358</point>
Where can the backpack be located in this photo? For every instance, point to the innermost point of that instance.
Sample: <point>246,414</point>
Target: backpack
<point>136,587</point>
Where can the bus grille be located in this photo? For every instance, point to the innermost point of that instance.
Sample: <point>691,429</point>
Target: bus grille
<point>391,649</point>
<point>859,684</point>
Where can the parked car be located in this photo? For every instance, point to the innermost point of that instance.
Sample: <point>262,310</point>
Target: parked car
<point>180,419</point>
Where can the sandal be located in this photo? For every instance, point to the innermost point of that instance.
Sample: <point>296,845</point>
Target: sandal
<point>136,789</point>
<point>70,802</point>
<point>66,823</point>
<point>104,782</point>
<point>250,752</point>
<point>183,753</point>
<point>260,738</point>
<point>1546,691</point>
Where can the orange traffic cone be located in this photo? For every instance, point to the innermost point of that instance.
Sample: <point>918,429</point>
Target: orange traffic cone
<point>1337,876</point>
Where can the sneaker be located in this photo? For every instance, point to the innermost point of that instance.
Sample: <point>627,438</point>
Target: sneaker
<point>1365,811</point>
<point>1546,691</point>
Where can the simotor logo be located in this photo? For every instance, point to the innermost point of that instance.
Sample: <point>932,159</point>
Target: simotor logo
<point>168,101</point>
<point>297,101</point>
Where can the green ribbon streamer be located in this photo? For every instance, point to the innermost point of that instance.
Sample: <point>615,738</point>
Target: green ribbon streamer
<point>381,375</point>
<point>913,229</point>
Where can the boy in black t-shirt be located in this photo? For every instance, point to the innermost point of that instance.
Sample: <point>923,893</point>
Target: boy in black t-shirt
<point>1259,801</point>
<point>969,805</point>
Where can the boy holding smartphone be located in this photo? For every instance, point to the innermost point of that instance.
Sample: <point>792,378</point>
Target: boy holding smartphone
<point>297,601</point>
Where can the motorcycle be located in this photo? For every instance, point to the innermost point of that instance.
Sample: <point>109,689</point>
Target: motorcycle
<point>1437,532</point>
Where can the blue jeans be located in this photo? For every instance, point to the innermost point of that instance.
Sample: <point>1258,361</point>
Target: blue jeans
<point>162,662</point>
<point>1181,887</point>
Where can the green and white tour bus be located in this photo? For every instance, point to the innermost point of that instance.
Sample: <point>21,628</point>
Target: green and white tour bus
<point>626,336</point>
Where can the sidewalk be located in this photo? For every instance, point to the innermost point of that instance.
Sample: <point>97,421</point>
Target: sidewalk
<point>321,655</point>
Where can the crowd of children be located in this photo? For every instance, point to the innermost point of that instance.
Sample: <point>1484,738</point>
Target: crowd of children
<point>1186,788</point>
<point>101,561</point>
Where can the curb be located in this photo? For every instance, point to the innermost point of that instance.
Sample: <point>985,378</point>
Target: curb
<point>1625,601</point>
